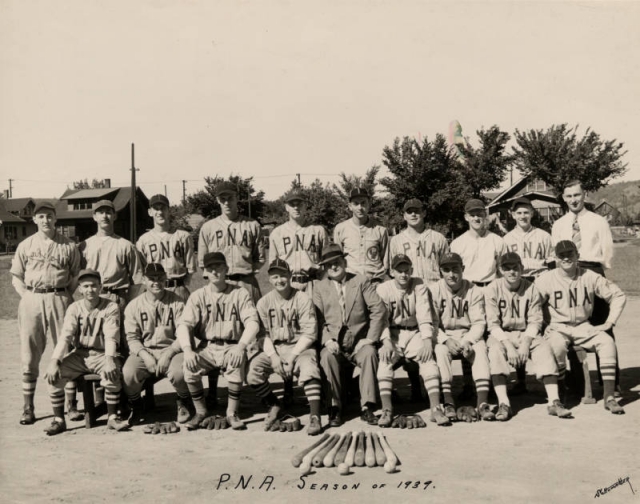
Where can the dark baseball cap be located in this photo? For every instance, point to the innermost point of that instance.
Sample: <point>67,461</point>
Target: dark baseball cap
<point>564,246</point>
<point>294,195</point>
<point>44,205</point>
<point>450,259</point>
<point>413,203</point>
<point>399,259</point>
<point>510,258</point>
<point>89,273</point>
<point>357,192</point>
<point>521,202</point>
<point>103,203</point>
<point>159,198</point>
<point>154,270</point>
<point>226,187</point>
<point>330,253</point>
<point>474,204</point>
<point>211,258</point>
<point>278,265</point>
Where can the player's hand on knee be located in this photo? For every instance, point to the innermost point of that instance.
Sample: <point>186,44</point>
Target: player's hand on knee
<point>523,354</point>
<point>110,370</point>
<point>511,354</point>
<point>276,364</point>
<point>426,352</point>
<point>191,361</point>
<point>454,346</point>
<point>332,346</point>
<point>149,361</point>
<point>53,372</point>
<point>386,352</point>
<point>467,349</point>
<point>287,366</point>
<point>163,362</point>
<point>235,356</point>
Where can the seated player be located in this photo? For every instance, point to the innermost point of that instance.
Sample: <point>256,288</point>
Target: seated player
<point>289,320</point>
<point>460,307</point>
<point>224,316</point>
<point>409,337</point>
<point>514,320</point>
<point>568,295</point>
<point>150,323</point>
<point>351,318</point>
<point>92,327</point>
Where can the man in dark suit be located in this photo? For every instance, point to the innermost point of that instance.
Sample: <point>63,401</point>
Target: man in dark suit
<point>351,318</point>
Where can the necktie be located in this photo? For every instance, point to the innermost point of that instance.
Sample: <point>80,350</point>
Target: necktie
<point>575,236</point>
<point>343,305</point>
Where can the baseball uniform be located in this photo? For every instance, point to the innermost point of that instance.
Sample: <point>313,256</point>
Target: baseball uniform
<point>424,250</point>
<point>533,247</point>
<point>366,247</point>
<point>480,255</point>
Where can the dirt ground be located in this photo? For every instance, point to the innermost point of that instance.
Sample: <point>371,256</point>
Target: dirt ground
<point>532,458</point>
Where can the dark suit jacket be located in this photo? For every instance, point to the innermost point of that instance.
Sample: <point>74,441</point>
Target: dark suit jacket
<point>366,313</point>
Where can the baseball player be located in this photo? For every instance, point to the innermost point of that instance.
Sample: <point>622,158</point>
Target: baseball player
<point>173,248</point>
<point>514,320</point>
<point>569,293</point>
<point>224,315</point>
<point>150,322</point>
<point>289,320</point>
<point>44,271</point>
<point>92,327</point>
<point>422,245</point>
<point>408,337</point>
<point>460,307</point>
<point>363,240</point>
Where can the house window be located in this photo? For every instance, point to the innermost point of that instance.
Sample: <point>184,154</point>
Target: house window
<point>11,232</point>
<point>81,205</point>
<point>536,185</point>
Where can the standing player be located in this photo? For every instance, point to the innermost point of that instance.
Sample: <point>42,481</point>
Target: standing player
<point>569,293</point>
<point>150,322</point>
<point>363,240</point>
<point>92,328</point>
<point>224,316</point>
<point>460,306</point>
<point>289,319</point>
<point>408,337</point>
<point>514,319</point>
<point>44,271</point>
<point>173,248</point>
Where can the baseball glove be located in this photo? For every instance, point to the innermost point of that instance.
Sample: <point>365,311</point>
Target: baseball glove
<point>467,414</point>
<point>408,422</point>
<point>289,423</point>
<point>161,428</point>
<point>216,422</point>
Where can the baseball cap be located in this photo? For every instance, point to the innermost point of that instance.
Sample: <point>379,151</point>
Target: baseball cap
<point>293,195</point>
<point>412,203</point>
<point>474,204</point>
<point>564,246</point>
<point>357,192</point>
<point>521,201</point>
<point>212,258</point>
<point>159,198</point>
<point>154,270</point>
<point>88,273</point>
<point>44,205</point>
<point>510,258</point>
<point>399,259</point>
<point>330,253</point>
<point>226,187</point>
<point>450,259</point>
<point>103,203</point>
<point>278,265</point>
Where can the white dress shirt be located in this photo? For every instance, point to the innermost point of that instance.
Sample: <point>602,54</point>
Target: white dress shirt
<point>595,235</point>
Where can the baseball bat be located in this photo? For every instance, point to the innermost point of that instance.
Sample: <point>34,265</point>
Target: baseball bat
<point>342,452</point>
<point>331,455</point>
<point>297,459</point>
<point>351,453</point>
<point>308,458</point>
<point>391,456</point>
<point>381,458</point>
<point>359,458</point>
<point>322,453</point>
<point>369,451</point>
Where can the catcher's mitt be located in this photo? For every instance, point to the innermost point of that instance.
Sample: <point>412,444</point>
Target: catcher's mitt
<point>216,422</point>
<point>408,422</point>
<point>161,428</point>
<point>467,414</point>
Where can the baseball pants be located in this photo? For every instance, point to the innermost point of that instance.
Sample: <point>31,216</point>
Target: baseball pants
<point>121,298</point>
<point>585,336</point>
<point>407,345</point>
<point>305,368</point>
<point>337,366</point>
<point>540,353</point>
<point>215,356</point>
<point>134,373</point>
<point>83,361</point>
<point>479,361</point>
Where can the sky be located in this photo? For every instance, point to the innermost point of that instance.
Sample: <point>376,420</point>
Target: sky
<point>272,89</point>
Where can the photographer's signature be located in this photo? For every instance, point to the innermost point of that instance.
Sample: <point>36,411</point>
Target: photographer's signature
<point>620,482</point>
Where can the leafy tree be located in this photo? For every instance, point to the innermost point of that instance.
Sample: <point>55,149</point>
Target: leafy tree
<point>179,215</point>
<point>84,184</point>
<point>347,183</point>
<point>250,201</point>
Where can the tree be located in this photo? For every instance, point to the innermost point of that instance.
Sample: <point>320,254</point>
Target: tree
<point>348,183</point>
<point>250,202</point>
<point>558,155</point>
<point>84,184</point>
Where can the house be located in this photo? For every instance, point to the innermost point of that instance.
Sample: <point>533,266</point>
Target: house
<point>608,211</point>
<point>16,221</point>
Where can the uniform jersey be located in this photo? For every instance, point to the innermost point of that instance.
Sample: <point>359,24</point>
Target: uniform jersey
<point>115,258</point>
<point>90,329</point>
<point>300,246</point>
<point>479,255</point>
<point>508,310</point>
<point>424,250</point>
<point>570,300</point>
<point>152,323</point>
<point>366,247</point>
<point>238,240</point>
<point>533,247</point>
<point>43,262</point>
<point>461,311</point>
<point>287,320</point>
<point>214,315</point>
<point>408,308</point>
<point>173,250</point>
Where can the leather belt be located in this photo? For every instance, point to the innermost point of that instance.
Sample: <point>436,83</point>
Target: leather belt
<point>175,282</point>
<point>219,341</point>
<point>46,290</point>
<point>115,290</point>
<point>404,327</point>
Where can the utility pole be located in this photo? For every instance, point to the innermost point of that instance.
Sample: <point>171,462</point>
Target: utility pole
<point>10,188</point>
<point>165,191</point>
<point>132,212</point>
<point>298,175</point>
<point>184,192</point>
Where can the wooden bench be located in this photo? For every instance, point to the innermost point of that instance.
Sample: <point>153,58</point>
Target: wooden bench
<point>579,379</point>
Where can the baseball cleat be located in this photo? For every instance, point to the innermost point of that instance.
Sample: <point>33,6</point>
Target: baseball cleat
<point>366,415</point>
<point>385,419</point>
<point>117,424</point>
<point>504,412</point>
<point>74,414</point>
<point>183,414</point>
<point>235,422</point>
<point>335,417</point>
<point>438,416</point>
<point>195,421</point>
<point>450,411</point>
<point>558,409</point>
<point>28,416</point>
<point>485,413</point>
<point>315,426</point>
<point>56,427</point>
<point>612,405</point>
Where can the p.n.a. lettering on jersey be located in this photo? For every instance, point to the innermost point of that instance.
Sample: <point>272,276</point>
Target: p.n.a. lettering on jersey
<point>513,308</point>
<point>422,250</point>
<point>90,326</point>
<point>298,244</point>
<point>223,312</point>
<point>458,308</point>
<point>231,238</point>
<point>279,317</point>
<point>165,251</point>
<point>160,317</point>
<point>573,297</point>
<point>527,250</point>
<point>401,308</point>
